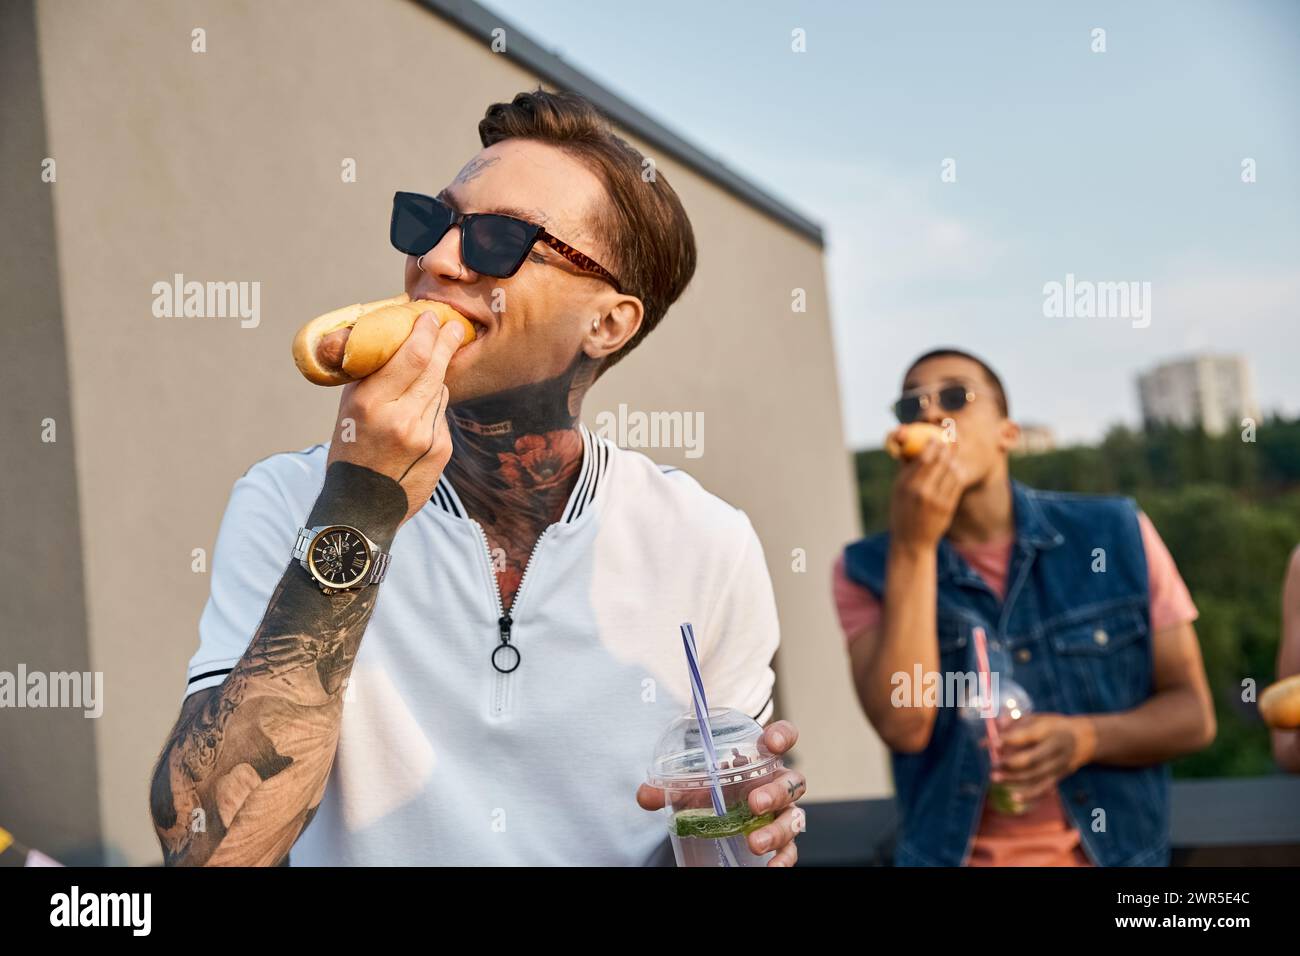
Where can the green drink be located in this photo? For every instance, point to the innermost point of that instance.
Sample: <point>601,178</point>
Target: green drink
<point>700,836</point>
<point>701,822</point>
<point>1006,800</point>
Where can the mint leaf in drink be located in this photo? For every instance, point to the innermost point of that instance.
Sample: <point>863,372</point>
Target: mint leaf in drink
<point>702,822</point>
<point>1006,800</point>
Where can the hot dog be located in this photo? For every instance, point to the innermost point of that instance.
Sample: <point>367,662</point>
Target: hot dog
<point>356,340</point>
<point>1279,705</point>
<point>907,441</point>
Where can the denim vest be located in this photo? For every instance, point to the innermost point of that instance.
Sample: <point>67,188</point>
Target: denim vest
<point>1077,638</point>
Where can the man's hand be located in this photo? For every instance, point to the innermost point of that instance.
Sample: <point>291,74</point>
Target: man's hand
<point>1042,749</point>
<point>925,497</point>
<point>398,414</point>
<point>777,797</point>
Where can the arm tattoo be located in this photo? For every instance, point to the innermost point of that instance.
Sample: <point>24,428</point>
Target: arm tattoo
<point>246,764</point>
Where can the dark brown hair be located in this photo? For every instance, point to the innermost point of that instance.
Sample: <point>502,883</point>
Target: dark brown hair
<point>648,237</point>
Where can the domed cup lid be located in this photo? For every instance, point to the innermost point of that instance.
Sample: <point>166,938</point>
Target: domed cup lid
<point>679,760</point>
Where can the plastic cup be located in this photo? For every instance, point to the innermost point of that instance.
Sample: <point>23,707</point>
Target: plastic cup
<point>1010,705</point>
<point>699,836</point>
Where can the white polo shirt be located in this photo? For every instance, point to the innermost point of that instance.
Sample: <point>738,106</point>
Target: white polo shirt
<point>441,759</point>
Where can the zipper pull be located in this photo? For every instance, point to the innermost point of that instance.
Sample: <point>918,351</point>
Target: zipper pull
<point>505,656</point>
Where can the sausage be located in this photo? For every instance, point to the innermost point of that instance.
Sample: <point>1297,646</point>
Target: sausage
<point>329,351</point>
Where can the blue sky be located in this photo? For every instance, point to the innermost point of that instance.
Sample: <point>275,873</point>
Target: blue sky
<point>1115,166</point>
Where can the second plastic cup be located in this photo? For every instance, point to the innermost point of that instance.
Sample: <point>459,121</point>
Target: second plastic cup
<point>1010,704</point>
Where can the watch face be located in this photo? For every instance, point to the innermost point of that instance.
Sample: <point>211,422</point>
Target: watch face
<point>339,557</point>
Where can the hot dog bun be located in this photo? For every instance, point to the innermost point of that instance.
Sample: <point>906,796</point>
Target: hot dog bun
<point>309,336</point>
<point>1279,705</point>
<point>376,330</point>
<point>907,441</point>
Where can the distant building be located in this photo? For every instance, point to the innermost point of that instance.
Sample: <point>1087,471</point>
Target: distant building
<point>1034,440</point>
<point>1214,392</point>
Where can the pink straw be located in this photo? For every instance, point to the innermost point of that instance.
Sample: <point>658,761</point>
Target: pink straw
<point>982,661</point>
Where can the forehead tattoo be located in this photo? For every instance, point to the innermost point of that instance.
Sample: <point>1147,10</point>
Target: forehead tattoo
<point>474,168</point>
<point>471,171</point>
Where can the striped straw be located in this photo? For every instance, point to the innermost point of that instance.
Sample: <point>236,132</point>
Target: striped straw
<point>702,715</point>
<point>986,680</point>
<point>706,733</point>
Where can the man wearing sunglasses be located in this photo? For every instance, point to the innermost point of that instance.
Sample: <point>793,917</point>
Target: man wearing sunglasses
<point>1081,605</point>
<point>500,703</point>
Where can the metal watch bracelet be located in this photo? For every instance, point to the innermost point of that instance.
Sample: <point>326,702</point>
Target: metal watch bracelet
<point>378,558</point>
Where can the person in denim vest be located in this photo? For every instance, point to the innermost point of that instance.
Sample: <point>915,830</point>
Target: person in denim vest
<point>1081,605</point>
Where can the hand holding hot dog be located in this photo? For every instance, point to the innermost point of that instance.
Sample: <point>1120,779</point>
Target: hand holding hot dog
<point>926,493</point>
<point>399,413</point>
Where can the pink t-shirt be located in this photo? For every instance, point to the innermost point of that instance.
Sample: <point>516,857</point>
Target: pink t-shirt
<point>1171,603</point>
<point>1043,836</point>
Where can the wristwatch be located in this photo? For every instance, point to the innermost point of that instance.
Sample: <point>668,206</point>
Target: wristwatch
<point>339,557</point>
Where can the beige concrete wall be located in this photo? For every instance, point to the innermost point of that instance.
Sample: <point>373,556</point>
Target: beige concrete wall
<point>48,784</point>
<point>225,166</point>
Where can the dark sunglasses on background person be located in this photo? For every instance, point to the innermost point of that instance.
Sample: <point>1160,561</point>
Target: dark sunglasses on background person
<point>490,243</point>
<point>952,397</point>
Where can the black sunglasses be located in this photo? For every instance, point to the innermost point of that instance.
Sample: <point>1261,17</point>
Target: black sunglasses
<point>952,398</point>
<point>491,244</point>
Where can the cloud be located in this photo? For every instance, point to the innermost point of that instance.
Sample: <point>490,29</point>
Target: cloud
<point>1230,310</point>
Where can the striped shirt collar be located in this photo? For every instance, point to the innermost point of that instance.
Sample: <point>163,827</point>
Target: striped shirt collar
<point>583,498</point>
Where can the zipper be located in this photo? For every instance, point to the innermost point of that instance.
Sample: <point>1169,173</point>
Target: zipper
<point>505,656</point>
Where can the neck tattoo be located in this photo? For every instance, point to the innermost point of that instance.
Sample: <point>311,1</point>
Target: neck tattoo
<point>515,459</point>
